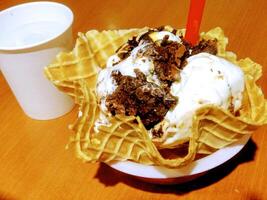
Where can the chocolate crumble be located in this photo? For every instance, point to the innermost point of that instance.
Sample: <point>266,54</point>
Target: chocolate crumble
<point>125,50</point>
<point>207,46</point>
<point>135,96</point>
<point>157,133</point>
<point>168,61</point>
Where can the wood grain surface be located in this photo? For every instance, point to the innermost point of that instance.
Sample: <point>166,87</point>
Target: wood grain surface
<point>34,163</point>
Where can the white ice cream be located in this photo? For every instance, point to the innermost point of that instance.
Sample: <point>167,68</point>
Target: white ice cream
<point>206,79</point>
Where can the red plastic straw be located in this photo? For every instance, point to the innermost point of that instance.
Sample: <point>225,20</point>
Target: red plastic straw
<point>194,20</point>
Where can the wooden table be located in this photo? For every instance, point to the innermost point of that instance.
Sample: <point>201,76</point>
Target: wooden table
<point>34,163</point>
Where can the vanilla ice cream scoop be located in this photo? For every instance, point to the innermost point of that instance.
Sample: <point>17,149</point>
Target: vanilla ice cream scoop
<point>206,79</point>
<point>166,104</point>
<point>136,60</point>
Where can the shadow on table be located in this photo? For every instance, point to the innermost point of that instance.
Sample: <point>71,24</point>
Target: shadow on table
<point>110,177</point>
<point>4,196</point>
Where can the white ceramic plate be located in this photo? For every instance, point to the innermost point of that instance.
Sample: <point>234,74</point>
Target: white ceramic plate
<point>163,175</point>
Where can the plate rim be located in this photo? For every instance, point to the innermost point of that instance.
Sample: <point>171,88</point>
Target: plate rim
<point>196,167</point>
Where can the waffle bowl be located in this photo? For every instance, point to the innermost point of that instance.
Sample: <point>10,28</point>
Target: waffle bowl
<point>125,138</point>
<point>199,167</point>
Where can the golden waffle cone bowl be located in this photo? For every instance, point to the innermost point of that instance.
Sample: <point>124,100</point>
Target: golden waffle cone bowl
<point>126,138</point>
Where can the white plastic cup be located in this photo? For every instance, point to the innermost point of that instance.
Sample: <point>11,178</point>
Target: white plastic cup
<point>31,35</point>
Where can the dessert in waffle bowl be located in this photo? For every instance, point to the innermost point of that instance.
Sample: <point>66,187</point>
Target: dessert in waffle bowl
<point>149,97</point>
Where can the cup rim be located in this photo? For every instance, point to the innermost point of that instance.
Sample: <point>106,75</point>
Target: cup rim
<point>42,42</point>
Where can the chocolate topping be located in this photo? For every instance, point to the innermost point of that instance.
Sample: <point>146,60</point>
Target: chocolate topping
<point>135,96</point>
<point>168,61</point>
<point>125,50</point>
<point>157,133</point>
<point>208,46</point>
